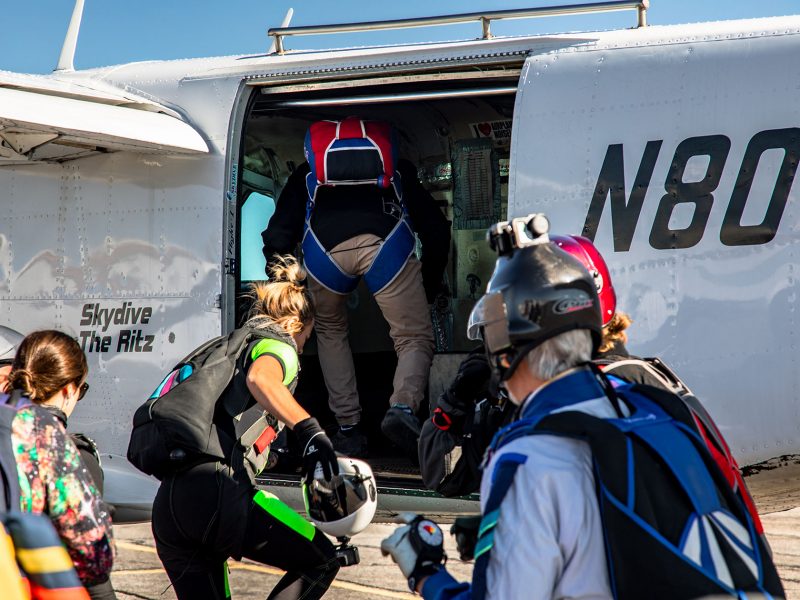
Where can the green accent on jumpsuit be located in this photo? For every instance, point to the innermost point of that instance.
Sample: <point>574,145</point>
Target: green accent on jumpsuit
<point>284,514</point>
<point>282,352</point>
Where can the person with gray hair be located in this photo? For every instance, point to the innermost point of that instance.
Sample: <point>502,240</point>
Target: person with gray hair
<point>542,309</point>
<point>600,488</point>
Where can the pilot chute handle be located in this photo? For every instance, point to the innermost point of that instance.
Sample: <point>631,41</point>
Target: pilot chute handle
<point>520,232</point>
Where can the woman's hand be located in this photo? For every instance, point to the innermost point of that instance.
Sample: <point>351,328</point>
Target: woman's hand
<point>317,449</point>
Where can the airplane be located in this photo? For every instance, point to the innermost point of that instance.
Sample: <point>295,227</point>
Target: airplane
<point>134,197</point>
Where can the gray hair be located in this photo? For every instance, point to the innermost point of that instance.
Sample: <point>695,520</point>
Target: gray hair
<point>560,353</point>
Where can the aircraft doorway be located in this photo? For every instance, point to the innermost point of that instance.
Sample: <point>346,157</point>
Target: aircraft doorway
<point>459,141</point>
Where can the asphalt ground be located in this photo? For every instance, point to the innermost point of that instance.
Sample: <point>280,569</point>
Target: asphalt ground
<point>138,572</point>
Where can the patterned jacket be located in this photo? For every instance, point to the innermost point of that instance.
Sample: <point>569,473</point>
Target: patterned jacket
<point>54,481</point>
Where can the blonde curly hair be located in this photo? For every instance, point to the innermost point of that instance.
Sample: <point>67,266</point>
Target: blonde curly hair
<point>614,331</point>
<point>284,299</point>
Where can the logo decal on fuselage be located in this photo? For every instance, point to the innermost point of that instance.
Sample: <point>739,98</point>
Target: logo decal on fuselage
<point>625,212</point>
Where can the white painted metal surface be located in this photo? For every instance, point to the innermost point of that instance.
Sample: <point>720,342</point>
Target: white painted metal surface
<point>723,315</point>
<point>66,60</point>
<point>89,123</point>
<point>126,249</point>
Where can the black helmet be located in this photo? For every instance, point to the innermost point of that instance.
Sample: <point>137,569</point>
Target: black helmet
<point>537,291</point>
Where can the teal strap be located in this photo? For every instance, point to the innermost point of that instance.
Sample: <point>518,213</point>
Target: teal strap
<point>281,351</point>
<point>281,512</point>
<point>502,478</point>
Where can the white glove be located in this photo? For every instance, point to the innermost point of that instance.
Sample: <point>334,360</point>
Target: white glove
<point>417,547</point>
<point>399,545</point>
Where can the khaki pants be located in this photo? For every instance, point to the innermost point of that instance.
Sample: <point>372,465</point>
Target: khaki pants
<point>404,307</point>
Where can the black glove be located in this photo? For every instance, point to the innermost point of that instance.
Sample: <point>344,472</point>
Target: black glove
<point>472,380</point>
<point>465,529</point>
<point>457,404</point>
<point>317,449</point>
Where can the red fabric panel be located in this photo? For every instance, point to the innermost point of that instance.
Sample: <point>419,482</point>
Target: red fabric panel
<point>265,439</point>
<point>350,128</point>
<point>40,593</point>
<point>730,470</point>
<point>322,134</point>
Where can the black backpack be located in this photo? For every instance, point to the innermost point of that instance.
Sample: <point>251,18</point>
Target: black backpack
<point>674,528</point>
<point>174,429</point>
<point>704,424</point>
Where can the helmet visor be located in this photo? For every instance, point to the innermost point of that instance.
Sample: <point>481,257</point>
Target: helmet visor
<point>333,500</point>
<point>488,321</point>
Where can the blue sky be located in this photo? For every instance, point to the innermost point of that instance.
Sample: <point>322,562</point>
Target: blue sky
<point>118,31</point>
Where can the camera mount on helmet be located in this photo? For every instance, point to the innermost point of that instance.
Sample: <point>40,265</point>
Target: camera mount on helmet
<point>520,232</point>
<point>537,291</point>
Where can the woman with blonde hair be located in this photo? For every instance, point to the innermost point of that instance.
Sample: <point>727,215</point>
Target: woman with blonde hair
<point>208,512</point>
<point>49,372</point>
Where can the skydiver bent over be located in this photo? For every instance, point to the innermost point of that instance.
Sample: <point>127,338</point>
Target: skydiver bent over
<point>356,210</point>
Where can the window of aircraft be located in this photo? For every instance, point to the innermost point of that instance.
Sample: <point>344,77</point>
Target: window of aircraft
<point>255,214</point>
<point>461,148</point>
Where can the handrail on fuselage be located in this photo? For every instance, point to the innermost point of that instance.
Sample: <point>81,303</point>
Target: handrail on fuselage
<point>485,18</point>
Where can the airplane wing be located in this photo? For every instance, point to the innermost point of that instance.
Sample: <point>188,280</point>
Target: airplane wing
<point>52,120</point>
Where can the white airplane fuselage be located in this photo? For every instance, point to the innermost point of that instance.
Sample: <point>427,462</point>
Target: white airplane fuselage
<point>675,148</point>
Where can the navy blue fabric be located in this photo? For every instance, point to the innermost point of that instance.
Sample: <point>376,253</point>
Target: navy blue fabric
<point>391,258</point>
<point>648,425</point>
<point>323,268</point>
<point>388,262</point>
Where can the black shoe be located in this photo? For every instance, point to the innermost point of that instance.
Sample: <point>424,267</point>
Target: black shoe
<point>350,442</point>
<point>403,428</point>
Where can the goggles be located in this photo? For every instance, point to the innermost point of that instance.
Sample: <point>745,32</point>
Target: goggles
<point>488,322</point>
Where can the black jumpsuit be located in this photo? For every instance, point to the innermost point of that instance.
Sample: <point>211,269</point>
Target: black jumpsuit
<point>212,511</point>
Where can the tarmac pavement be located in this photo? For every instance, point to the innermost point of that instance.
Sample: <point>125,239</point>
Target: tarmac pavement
<point>138,573</point>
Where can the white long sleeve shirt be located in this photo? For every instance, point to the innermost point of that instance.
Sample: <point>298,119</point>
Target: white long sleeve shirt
<point>548,543</point>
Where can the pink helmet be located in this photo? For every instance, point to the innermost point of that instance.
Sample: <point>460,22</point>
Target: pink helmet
<point>590,257</point>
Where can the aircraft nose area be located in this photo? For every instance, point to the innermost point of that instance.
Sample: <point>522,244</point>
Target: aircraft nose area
<point>130,491</point>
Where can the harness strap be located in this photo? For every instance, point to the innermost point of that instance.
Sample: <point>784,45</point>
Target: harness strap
<point>320,265</point>
<point>390,259</point>
<point>502,479</point>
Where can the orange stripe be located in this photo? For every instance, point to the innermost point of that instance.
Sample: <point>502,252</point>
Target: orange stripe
<point>39,593</point>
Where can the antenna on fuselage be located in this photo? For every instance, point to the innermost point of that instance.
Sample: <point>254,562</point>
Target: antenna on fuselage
<point>286,20</point>
<point>66,62</point>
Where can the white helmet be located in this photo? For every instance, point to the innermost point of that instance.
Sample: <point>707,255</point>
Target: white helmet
<point>344,505</point>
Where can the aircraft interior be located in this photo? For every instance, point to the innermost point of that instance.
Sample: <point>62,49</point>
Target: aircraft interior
<point>460,146</point>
